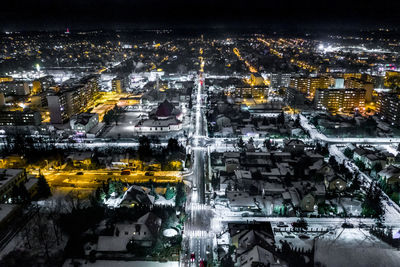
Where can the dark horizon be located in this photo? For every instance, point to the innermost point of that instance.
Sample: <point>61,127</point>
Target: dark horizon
<point>44,15</point>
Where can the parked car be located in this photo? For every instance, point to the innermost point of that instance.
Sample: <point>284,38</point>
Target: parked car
<point>192,257</point>
<point>347,225</point>
<point>282,224</point>
<point>79,173</point>
<point>149,174</point>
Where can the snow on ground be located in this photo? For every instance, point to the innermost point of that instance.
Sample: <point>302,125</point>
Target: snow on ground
<point>113,263</point>
<point>164,202</point>
<point>354,247</point>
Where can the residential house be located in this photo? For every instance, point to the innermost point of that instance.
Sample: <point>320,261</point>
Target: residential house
<point>142,233</point>
<point>390,174</point>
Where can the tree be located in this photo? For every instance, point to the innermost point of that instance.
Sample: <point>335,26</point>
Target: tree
<point>180,197</point>
<point>281,118</point>
<point>144,149</point>
<point>173,145</point>
<point>267,143</point>
<point>43,188</point>
<point>372,205</point>
<point>240,143</point>
<point>169,193</point>
<point>348,153</point>
<point>377,167</point>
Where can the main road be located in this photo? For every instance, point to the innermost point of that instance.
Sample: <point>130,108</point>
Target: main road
<point>198,236</point>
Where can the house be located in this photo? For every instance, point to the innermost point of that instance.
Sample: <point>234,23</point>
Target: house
<point>241,201</point>
<point>81,159</point>
<point>231,165</point>
<point>293,146</point>
<point>258,255</point>
<point>335,183</point>
<point>84,122</point>
<point>390,174</point>
<point>307,203</point>
<point>136,195</point>
<point>141,233</point>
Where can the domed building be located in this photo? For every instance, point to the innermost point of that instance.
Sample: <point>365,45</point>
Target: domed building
<point>164,118</point>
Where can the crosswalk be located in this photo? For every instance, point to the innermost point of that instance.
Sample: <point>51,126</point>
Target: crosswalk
<point>198,206</point>
<point>198,233</point>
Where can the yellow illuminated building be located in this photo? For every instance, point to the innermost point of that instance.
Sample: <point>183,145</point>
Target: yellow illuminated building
<point>340,100</point>
<point>308,85</point>
<point>6,79</point>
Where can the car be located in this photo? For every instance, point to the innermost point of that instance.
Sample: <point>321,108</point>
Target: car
<point>303,236</point>
<point>282,224</point>
<point>79,173</point>
<point>347,225</point>
<point>362,225</point>
<point>390,203</point>
<point>203,263</point>
<point>192,257</point>
<point>380,225</point>
<point>194,187</point>
<point>125,172</point>
<point>149,174</point>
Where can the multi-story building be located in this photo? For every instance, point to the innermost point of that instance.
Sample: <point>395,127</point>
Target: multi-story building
<point>351,83</point>
<point>308,85</point>
<point>6,79</point>
<point>389,75</point>
<point>42,84</point>
<point>8,179</point>
<point>257,92</point>
<point>340,100</point>
<point>280,80</point>
<point>71,101</point>
<point>119,84</point>
<point>84,122</point>
<point>294,98</point>
<point>19,88</point>
<point>19,118</point>
<point>388,107</point>
<point>360,76</point>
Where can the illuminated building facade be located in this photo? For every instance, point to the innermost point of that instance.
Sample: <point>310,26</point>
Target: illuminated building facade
<point>308,85</point>
<point>280,80</point>
<point>256,92</point>
<point>342,100</point>
<point>360,84</point>
<point>388,107</point>
<point>119,85</point>
<point>67,103</point>
<point>19,118</point>
<point>389,75</point>
<point>10,178</point>
<point>6,79</point>
<point>19,88</point>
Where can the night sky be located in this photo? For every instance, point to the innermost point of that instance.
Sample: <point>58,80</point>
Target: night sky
<point>58,14</point>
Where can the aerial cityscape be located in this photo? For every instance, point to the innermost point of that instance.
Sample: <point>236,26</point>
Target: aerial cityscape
<point>125,142</point>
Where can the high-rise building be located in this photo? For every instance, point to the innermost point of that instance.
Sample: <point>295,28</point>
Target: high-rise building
<point>71,101</point>
<point>19,118</point>
<point>42,84</point>
<point>119,84</point>
<point>340,100</point>
<point>308,85</point>
<point>280,80</point>
<point>388,107</point>
<point>360,84</point>
<point>257,92</point>
<point>19,88</point>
